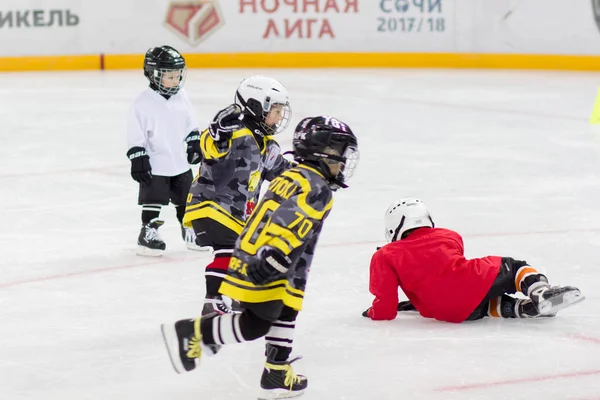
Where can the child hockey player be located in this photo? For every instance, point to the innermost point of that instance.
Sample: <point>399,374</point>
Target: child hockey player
<point>428,264</point>
<point>271,261</point>
<point>238,153</point>
<point>163,139</point>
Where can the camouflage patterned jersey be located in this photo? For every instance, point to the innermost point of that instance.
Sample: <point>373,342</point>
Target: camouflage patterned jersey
<point>289,218</point>
<point>230,177</point>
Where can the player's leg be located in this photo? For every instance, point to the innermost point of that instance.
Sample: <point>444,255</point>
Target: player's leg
<point>152,197</point>
<point>188,339</point>
<point>278,378</point>
<point>277,323</point>
<point>505,306</point>
<point>547,299</point>
<point>518,276</point>
<point>179,189</point>
<point>222,240</point>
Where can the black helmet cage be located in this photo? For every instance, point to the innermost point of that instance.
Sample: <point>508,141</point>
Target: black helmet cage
<point>316,144</point>
<point>259,112</point>
<point>160,61</point>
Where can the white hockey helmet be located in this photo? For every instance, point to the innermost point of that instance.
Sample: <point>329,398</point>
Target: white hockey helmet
<point>257,94</point>
<point>405,214</point>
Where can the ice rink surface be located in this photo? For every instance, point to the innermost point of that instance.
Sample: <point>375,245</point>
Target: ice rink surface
<point>505,158</point>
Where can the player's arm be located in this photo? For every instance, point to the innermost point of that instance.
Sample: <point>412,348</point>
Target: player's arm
<point>136,132</point>
<point>215,141</point>
<point>137,141</point>
<point>275,164</point>
<point>383,284</point>
<point>212,150</point>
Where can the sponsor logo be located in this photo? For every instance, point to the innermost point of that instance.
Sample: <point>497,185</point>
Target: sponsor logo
<point>194,21</point>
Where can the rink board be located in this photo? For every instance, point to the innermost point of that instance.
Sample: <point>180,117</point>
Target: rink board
<point>111,34</point>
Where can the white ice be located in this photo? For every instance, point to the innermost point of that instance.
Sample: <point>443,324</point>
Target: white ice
<point>505,158</point>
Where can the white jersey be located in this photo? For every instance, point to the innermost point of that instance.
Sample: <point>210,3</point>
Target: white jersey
<point>161,126</point>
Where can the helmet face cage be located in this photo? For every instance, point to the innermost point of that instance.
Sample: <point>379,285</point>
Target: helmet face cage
<point>286,117</point>
<point>351,157</point>
<point>348,159</point>
<point>159,74</point>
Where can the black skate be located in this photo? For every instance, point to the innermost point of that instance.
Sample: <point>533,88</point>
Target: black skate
<point>183,340</point>
<point>184,344</point>
<point>149,241</point>
<point>550,299</point>
<point>279,381</point>
<point>215,304</point>
<point>525,308</point>
<point>189,237</point>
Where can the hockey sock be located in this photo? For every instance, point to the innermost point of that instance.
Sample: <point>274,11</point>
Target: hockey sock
<point>528,278</point>
<point>281,336</point>
<point>279,340</point>
<point>180,210</point>
<point>233,328</point>
<point>149,212</point>
<point>216,271</point>
<point>502,307</point>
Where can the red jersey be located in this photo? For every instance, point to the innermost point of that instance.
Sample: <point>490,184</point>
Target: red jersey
<point>430,267</point>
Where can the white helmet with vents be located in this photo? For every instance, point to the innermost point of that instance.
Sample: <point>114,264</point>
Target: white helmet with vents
<point>266,101</point>
<point>405,214</point>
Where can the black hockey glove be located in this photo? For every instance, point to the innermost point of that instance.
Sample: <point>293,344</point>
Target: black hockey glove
<point>272,263</point>
<point>194,154</point>
<point>406,306</point>
<point>402,306</point>
<point>225,123</point>
<point>140,165</point>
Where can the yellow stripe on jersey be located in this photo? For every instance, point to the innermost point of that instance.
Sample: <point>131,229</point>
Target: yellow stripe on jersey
<point>305,185</point>
<point>209,148</point>
<point>279,290</point>
<point>240,133</point>
<point>281,238</point>
<point>210,209</point>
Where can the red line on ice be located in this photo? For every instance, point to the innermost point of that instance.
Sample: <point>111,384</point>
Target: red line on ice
<point>164,260</point>
<point>517,381</point>
<point>586,338</point>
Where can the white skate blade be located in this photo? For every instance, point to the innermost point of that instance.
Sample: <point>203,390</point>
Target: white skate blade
<point>170,337</point>
<point>564,300</point>
<point>146,252</point>
<point>267,394</point>
<point>195,247</point>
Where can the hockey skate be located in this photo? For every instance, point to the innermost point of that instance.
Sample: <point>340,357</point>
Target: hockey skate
<point>189,237</point>
<point>184,344</point>
<point>215,304</point>
<point>550,299</point>
<point>149,241</point>
<point>279,381</point>
<point>525,308</point>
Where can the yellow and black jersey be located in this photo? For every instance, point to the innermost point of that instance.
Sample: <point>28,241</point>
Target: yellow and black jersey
<point>289,218</point>
<point>230,177</point>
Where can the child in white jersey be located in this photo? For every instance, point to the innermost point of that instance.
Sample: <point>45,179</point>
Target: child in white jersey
<point>163,140</point>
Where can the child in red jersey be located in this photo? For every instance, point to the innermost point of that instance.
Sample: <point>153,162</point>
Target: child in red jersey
<point>429,265</point>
